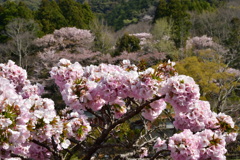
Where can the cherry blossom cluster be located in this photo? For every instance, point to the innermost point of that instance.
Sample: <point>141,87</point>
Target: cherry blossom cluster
<point>202,145</point>
<point>198,117</point>
<point>92,87</point>
<point>23,120</point>
<point>18,78</point>
<point>13,129</point>
<point>29,90</point>
<point>74,34</point>
<point>154,110</point>
<point>15,74</point>
<point>207,144</point>
<point>64,37</point>
<point>75,126</point>
<point>27,120</point>
<point>143,37</point>
<point>166,70</point>
<point>160,144</point>
<point>184,146</point>
<point>203,43</point>
<point>46,41</point>
<point>199,42</point>
<point>180,91</point>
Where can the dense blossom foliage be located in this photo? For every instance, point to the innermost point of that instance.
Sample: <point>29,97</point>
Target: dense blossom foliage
<point>204,42</point>
<point>181,91</point>
<point>198,117</point>
<point>31,127</point>
<point>199,42</point>
<point>26,117</point>
<point>143,37</point>
<point>65,37</point>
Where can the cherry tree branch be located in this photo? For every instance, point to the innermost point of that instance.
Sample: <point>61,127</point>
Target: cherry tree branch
<point>95,114</point>
<point>158,154</point>
<point>100,140</point>
<point>56,154</point>
<point>19,156</point>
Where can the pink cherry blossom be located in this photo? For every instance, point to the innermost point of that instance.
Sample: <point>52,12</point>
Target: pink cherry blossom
<point>196,118</point>
<point>154,110</point>
<point>181,91</point>
<point>160,144</point>
<point>15,74</point>
<point>212,145</point>
<point>184,145</point>
<point>143,152</point>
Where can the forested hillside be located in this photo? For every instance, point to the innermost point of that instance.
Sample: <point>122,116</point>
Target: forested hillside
<point>121,13</point>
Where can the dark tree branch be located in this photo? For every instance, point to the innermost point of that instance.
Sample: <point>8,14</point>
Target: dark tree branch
<point>56,154</point>
<point>100,140</point>
<point>43,145</point>
<point>99,117</point>
<point>19,156</point>
<point>158,154</point>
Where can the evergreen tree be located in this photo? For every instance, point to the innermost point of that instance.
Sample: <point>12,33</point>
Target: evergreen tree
<point>128,12</point>
<point>162,10</point>
<point>127,43</point>
<point>10,10</point>
<point>176,10</point>
<point>76,14</point>
<point>50,16</point>
<point>181,21</point>
<point>88,14</point>
<point>24,11</point>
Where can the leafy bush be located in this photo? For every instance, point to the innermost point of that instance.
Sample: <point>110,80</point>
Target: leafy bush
<point>127,43</point>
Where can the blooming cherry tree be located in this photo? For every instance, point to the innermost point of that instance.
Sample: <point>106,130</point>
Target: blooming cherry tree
<point>65,38</point>
<point>99,100</point>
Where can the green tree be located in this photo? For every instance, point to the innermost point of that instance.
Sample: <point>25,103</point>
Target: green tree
<point>181,21</point>
<point>176,10</point>
<point>10,10</point>
<point>104,40</point>
<point>233,43</point>
<point>162,35</point>
<point>88,14</point>
<point>76,14</point>
<point>162,10</point>
<point>24,11</point>
<point>50,17</point>
<point>127,43</point>
<point>128,12</point>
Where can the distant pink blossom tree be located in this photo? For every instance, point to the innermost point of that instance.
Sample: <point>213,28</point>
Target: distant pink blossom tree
<point>67,37</point>
<point>204,42</point>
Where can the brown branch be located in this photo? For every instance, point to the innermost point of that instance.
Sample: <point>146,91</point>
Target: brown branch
<point>100,140</point>
<point>113,145</point>
<point>125,155</point>
<point>99,117</point>
<point>43,145</point>
<point>19,156</point>
<point>157,155</point>
<point>56,154</point>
